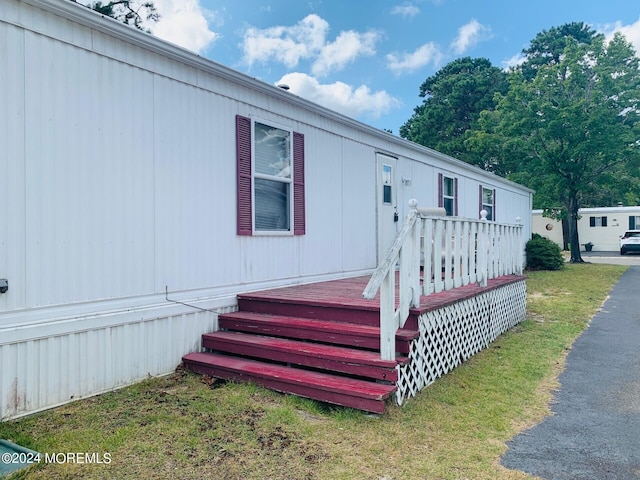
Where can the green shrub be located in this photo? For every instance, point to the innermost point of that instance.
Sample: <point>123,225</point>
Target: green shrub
<point>543,254</point>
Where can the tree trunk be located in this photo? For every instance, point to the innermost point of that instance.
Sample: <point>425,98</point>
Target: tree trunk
<point>573,230</point>
<point>565,234</point>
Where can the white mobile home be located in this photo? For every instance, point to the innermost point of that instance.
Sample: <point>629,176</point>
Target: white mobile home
<point>601,226</point>
<point>137,175</point>
<point>546,227</point>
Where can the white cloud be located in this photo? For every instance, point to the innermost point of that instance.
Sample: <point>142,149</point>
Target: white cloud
<point>340,97</point>
<point>409,62</point>
<point>469,35</point>
<point>287,45</point>
<point>307,40</point>
<point>184,22</point>
<point>346,48</point>
<point>407,10</point>
<point>514,61</point>
<point>631,33</point>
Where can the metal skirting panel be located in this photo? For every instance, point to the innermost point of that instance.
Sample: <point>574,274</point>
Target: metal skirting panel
<point>452,334</point>
<point>50,370</point>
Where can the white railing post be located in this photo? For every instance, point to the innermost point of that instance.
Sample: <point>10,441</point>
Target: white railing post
<point>438,283</point>
<point>405,275</point>
<point>483,249</point>
<point>418,232</point>
<point>448,254</point>
<point>474,249</point>
<point>498,252</point>
<point>387,314</point>
<point>428,273</point>
<point>414,266</point>
<point>457,255</point>
<point>517,251</point>
<point>493,247</point>
<point>466,255</point>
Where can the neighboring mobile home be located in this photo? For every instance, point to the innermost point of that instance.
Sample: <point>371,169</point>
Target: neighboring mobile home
<point>601,226</point>
<point>143,187</point>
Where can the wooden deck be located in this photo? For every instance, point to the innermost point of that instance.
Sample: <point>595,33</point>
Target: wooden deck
<point>318,340</point>
<point>345,295</point>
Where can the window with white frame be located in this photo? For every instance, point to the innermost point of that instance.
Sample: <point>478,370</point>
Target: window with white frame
<point>272,167</point>
<point>634,222</point>
<point>270,162</point>
<point>448,195</point>
<point>488,202</point>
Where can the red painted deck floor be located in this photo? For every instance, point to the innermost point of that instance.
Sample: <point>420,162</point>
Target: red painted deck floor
<point>347,293</point>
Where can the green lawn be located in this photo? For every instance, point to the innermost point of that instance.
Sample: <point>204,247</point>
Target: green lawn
<point>181,426</point>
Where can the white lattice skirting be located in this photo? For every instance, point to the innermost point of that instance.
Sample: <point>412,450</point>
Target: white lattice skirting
<point>452,334</point>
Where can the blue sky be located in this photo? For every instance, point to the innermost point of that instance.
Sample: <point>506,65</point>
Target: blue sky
<point>368,58</point>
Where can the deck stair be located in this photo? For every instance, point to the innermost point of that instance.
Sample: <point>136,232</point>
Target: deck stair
<point>325,349</point>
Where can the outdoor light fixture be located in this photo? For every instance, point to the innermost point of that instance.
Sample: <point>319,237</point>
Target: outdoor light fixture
<point>4,285</point>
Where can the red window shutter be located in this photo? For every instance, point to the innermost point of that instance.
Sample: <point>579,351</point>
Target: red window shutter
<point>440,197</point>
<point>455,196</point>
<point>299,214</point>
<point>243,161</point>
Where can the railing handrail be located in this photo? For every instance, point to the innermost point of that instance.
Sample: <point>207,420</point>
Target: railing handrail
<point>391,258</point>
<point>480,250</point>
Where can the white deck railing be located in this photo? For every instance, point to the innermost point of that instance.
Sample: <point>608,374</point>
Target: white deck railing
<point>450,251</point>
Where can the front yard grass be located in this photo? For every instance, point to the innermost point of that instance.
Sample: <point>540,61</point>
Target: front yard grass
<point>182,426</point>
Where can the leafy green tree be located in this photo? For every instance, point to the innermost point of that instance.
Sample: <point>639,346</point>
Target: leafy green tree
<point>548,46</point>
<point>570,128</point>
<point>454,98</point>
<point>128,11</point>
<point>621,186</point>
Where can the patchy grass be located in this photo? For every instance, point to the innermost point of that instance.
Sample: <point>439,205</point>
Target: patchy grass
<point>182,426</point>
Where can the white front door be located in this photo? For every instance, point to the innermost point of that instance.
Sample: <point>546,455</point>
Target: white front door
<point>387,206</point>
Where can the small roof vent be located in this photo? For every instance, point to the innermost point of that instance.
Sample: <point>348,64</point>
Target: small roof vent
<point>283,86</point>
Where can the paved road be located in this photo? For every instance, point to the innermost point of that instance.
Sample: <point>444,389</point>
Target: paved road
<point>594,432</point>
<point>611,257</point>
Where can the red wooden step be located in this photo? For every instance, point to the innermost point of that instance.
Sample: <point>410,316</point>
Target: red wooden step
<point>266,302</point>
<point>363,363</point>
<point>348,392</point>
<point>337,333</point>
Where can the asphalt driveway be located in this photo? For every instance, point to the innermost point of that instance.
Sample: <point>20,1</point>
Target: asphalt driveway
<point>594,432</point>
